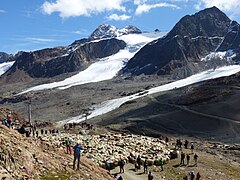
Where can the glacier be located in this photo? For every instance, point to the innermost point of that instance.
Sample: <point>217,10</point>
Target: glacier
<point>113,104</point>
<point>5,66</point>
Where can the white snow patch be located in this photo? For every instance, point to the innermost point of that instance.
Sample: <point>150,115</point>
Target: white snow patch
<point>5,66</point>
<point>105,68</point>
<point>110,105</point>
<point>220,55</point>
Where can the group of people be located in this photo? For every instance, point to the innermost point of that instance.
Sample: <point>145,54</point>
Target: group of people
<point>179,144</point>
<point>76,151</point>
<point>145,164</point>
<point>195,157</point>
<point>121,163</point>
<point>192,176</point>
<point>74,125</point>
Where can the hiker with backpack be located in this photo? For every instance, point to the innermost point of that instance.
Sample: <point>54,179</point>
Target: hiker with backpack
<point>68,143</point>
<point>77,154</point>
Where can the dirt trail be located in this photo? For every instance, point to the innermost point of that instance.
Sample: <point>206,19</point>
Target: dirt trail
<point>185,108</point>
<point>130,174</point>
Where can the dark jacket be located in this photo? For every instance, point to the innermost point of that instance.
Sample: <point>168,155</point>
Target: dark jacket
<point>77,149</point>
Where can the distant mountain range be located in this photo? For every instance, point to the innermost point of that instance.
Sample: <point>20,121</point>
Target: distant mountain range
<point>75,57</point>
<point>205,40</point>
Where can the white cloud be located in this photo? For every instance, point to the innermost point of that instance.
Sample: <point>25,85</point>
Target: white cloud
<point>116,17</point>
<point>2,11</point>
<point>224,5</point>
<point>71,8</point>
<point>77,32</point>
<point>39,40</point>
<point>138,2</point>
<point>143,8</point>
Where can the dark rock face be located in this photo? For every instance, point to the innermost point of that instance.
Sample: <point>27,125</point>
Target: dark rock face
<point>179,53</point>
<point>54,61</point>
<point>4,57</point>
<point>232,38</point>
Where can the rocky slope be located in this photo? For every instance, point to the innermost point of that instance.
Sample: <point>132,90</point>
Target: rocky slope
<point>181,51</point>
<point>28,158</point>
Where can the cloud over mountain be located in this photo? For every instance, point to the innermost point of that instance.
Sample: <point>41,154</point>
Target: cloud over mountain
<point>117,17</point>
<point>229,5</point>
<point>68,8</point>
<point>143,8</point>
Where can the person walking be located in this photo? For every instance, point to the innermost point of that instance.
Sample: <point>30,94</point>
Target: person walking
<point>182,158</point>
<point>68,143</point>
<point>186,144</point>
<point>107,165</point>
<point>121,164</point>
<point>188,159</point>
<point>77,154</point>
<point>9,119</point>
<point>145,166</point>
<point>139,161</point>
<point>192,175</point>
<point>198,176</point>
<point>150,176</point>
<point>161,164</point>
<point>192,147</point>
<point>195,159</point>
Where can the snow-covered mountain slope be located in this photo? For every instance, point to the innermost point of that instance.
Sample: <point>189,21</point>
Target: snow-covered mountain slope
<point>109,31</point>
<point>110,105</point>
<point>5,66</point>
<point>105,68</point>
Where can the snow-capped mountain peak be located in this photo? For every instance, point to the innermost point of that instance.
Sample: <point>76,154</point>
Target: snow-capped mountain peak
<point>109,31</point>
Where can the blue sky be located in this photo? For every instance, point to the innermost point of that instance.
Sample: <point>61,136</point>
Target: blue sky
<point>35,24</point>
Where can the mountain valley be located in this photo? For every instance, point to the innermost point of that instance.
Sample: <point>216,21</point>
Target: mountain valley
<point>67,82</point>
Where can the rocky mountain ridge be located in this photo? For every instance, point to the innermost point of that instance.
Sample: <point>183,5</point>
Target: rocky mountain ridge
<point>4,57</point>
<point>194,37</point>
<point>78,56</point>
<point>109,31</point>
<point>55,61</point>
